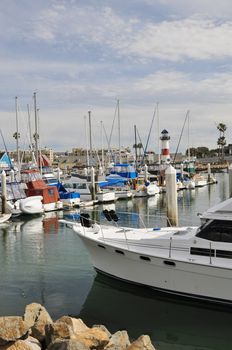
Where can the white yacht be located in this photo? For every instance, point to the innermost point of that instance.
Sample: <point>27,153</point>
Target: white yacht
<point>195,262</point>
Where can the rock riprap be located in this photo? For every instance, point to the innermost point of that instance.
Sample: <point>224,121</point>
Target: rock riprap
<point>37,331</point>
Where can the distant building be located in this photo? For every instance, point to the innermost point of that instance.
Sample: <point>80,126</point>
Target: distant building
<point>48,152</point>
<point>228,149</point>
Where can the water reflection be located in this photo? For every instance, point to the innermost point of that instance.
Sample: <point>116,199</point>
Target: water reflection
<point>170,323</point>
<point>42,261</point>
<point>190,203</point>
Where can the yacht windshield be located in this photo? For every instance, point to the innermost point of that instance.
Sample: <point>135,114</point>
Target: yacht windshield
<point>216,230</point>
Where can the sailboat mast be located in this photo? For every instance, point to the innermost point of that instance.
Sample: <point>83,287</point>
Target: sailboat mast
<point>136,154</point>
<point>17,135</point>
<point>102,150</point>
<point>87,144</point>
<point>188,146</point>
<point>36,135</point>
<point>119,133</point>
<point>39,148</point>
<point>90,139</point>
<point>29,126</point>
<point>188,140</point>
<point>158,133</point>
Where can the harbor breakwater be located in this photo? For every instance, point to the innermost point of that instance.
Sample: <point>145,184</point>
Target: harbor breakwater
<point>36,330</point>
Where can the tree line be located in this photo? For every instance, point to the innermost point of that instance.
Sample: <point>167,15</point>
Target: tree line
<point>202,151</point>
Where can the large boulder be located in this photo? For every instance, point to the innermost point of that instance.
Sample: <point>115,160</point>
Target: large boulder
<point>57,330</point>
<point>103,328</point>
<point>12,328</point>
<point>33,343</point>
<point>37,318</point>
<point>76,324</point>
<point>67,344</point>
<point>66,328</point>
<point>94,338</point>
<point>28,344</point>
<point>118,341</point>
<point>18,345</point>
<point>142,343</point>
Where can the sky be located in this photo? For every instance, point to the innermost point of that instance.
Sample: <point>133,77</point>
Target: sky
<point>159,58</point>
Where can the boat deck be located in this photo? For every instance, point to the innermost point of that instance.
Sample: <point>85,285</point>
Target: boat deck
<point>175,243</point>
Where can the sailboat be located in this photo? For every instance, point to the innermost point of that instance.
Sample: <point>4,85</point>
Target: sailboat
<point>13,190</point>
<point>185,179</point>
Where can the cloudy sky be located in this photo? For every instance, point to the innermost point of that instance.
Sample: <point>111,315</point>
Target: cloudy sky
<point>84,55</point>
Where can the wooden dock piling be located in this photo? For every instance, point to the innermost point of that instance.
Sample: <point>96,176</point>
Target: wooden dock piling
<point>171,194</point>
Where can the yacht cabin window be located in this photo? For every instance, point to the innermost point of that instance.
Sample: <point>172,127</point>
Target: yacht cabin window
<point>216,230</point>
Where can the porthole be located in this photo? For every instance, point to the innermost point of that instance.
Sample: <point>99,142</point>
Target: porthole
<point>101,246</point>
<point>119,251</point>
<point>169,262</point>
<point>146,258</point>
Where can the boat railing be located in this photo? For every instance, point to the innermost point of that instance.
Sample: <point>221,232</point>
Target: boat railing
<point>145,220</point>
<point>124,219</point>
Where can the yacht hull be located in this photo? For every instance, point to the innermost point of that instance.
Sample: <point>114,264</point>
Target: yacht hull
<point>162,273</point>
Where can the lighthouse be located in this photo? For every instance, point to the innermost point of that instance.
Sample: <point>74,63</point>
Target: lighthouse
<point>165,153</point>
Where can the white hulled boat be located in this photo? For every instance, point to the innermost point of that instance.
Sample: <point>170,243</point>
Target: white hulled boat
<point>200,180</point>
<point>83,187</point>
<point>146,190</point>
<point>106,196</point>
<point>34,185</point>
<point>17,201</point>
<point>4,217</point>
<point>192,261</point>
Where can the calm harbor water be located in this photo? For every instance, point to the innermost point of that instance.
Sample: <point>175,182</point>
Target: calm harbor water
<point>43,261</point>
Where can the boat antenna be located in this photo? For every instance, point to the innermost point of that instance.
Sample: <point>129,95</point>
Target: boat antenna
<point>182,130</point>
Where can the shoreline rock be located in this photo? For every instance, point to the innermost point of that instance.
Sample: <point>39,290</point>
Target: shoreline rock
<point>37,331</point>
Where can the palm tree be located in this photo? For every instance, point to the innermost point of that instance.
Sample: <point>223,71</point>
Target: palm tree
<point>221,140</point>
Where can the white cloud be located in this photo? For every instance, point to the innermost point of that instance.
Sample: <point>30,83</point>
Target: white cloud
<point>133,37</point>
<point>191,38</point>
<point>80,57</point>
<point>62,122</point>
<point>189,7</point>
